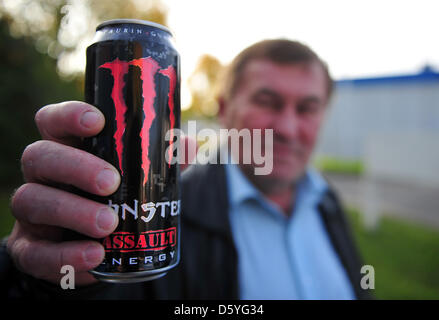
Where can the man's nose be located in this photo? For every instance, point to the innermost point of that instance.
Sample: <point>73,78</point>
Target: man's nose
<point>287,123</point>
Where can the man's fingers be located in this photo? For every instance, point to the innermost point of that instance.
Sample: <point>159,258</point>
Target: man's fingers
<point>42,205</point>
<point>67,121</point>
<point>43,259</point>
<point>48,161</point>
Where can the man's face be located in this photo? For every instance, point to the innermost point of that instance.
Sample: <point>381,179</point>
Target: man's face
<point>288,98</point>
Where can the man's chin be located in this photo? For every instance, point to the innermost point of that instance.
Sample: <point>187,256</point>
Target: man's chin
<point>287,169</point>
<point>277,180</point>
<point>283,177</point>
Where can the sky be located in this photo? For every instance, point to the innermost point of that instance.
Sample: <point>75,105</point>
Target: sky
<point>356,38</point>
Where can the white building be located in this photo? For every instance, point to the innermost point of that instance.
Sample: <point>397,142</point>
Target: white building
<point>391,124</point>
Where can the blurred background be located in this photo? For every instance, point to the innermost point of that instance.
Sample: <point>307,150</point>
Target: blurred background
<point>379,146</point>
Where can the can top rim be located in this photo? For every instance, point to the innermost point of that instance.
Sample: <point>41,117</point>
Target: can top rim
<point>133,21</point>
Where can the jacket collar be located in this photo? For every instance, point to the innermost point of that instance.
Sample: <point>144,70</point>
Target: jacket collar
<point>204,198</point>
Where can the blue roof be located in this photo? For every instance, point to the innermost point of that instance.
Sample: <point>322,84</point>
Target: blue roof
<point>426,75</point>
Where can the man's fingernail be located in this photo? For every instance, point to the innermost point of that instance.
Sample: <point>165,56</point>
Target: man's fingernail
<point>107,180</point>
<point>94,254</point>
<point>106,219</point>
<point>90,119</point>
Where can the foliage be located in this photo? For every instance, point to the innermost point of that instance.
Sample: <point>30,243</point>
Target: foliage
<point>404,256</point>
<point>28,81</point>
<point>38,40</point>
<point>336,165</point>
<point>6,218</point>
<point>203,84</point>
<point>64,28</point>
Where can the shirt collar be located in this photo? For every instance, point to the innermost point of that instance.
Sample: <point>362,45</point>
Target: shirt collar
<point>312,182</point>
<point>240,188</point>
<point>311,185</point>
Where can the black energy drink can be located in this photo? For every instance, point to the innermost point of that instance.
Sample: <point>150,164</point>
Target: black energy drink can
<point>133,77</point>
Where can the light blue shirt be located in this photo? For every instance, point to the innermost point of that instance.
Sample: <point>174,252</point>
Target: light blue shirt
<point>282,257</point>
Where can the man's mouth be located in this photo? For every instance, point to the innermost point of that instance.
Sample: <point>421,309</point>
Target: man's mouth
<point>287,150</point>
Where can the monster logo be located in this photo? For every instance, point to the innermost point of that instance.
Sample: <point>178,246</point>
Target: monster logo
<point>148,69</point>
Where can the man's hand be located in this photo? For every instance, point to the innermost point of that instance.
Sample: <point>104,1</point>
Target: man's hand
<point>43,209</point>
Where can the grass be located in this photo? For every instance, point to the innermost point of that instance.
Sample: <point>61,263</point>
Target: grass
<point>405,256</point>
<point>6,218</point>
<point>336,165</point>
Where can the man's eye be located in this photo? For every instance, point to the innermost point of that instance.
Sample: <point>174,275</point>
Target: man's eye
<point>265,101</point>
<point>307,108</point>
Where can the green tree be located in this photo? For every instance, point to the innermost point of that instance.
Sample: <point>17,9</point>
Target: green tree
<point>64,28</point>
<point>37,40</point>
<point>28,80</point>
<point>203,85</point>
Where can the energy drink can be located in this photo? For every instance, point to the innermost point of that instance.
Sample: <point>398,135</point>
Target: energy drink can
<point>133,77</point>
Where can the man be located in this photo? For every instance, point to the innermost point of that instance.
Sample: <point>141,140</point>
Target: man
<point>276,236</point>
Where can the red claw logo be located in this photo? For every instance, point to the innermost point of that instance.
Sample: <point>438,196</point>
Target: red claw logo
<point>148,69</point>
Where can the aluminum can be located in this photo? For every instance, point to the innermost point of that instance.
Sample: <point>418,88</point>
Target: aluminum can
<point>133,77</point>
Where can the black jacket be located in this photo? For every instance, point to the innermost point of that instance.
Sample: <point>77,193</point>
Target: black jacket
<point>208,265</point>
